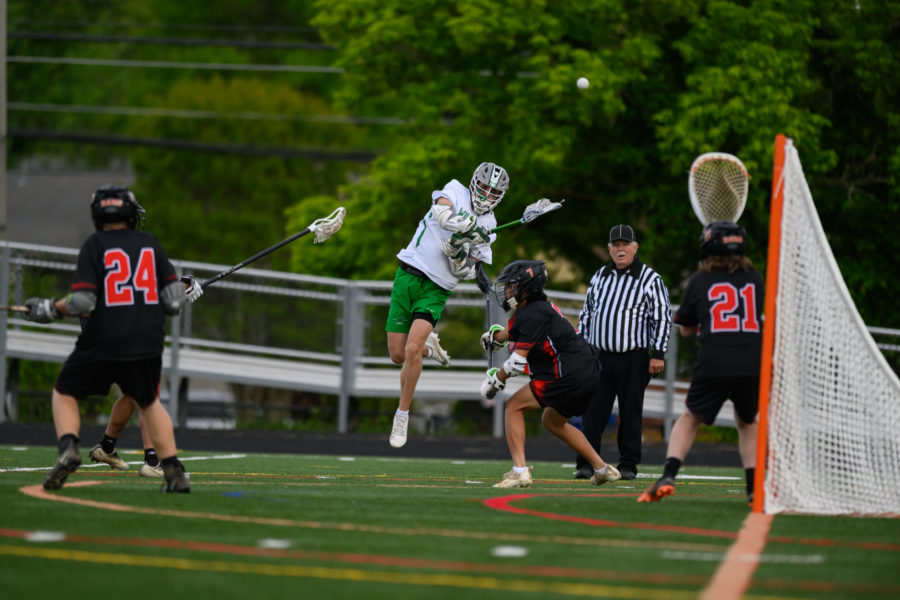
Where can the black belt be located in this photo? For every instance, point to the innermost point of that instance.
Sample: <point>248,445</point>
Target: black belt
<point>412,270</point>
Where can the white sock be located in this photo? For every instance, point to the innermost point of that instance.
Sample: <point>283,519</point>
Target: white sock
<point>519,469</point>
<point>405,413</point>
<point>600,471</point>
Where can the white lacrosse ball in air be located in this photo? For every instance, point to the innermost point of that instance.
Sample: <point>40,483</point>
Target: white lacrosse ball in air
<point>583,83</point>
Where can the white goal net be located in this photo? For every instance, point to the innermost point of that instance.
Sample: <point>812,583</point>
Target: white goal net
<point>834,403</point>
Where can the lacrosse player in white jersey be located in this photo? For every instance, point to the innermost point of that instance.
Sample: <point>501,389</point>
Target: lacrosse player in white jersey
<point>450,240</point>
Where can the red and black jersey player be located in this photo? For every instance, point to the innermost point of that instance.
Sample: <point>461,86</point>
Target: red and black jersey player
<point>124,286</point>
<point>563,367</point>
<point>721,305</point>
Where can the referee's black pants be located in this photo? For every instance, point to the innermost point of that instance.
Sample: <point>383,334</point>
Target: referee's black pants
<point>624,375</point>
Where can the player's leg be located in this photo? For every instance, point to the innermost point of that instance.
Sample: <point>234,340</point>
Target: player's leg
<point>744,396</point>
<point>151,466</point>
<point>704,400</point>
<point>67,422</point>
<point>140,379</point>
<point>520,475</point>
<point>559,425</point>
<point>105,450</point>
<point>409,378</point>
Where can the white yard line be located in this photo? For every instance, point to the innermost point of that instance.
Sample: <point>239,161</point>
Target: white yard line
<point>134,462</point>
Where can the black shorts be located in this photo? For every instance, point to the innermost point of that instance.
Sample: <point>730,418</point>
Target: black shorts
<point>569,396</point>
<point>706,397</point>
<point>82,377</point>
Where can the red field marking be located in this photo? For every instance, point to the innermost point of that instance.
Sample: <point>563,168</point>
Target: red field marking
<point>37,491</point>
<point>381,560</point>
<point>504,503</point>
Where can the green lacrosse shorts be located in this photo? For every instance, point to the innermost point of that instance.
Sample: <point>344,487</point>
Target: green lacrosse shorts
<point>412,294</point>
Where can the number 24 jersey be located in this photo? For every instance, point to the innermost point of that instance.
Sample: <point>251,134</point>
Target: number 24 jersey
<point>126,269</point>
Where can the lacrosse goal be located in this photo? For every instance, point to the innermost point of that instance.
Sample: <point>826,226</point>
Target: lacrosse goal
<point>829,401</point>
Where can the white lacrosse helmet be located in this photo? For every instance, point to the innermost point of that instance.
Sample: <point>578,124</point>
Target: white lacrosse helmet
<point>489,183</point>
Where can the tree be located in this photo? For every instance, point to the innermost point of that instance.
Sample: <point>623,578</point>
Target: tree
<point>668,82</point>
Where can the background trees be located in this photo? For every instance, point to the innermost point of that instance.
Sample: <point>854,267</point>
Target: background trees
<point>438,87</point>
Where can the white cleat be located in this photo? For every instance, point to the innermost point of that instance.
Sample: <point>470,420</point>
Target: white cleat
<point>612,474</point>
<point>398,433</point>
<point>153,472</point>
<point>437,353</point>
<point>112,459</point>
<point>516,480</point>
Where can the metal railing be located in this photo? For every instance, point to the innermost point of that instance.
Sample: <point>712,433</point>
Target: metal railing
<point>284,330</point>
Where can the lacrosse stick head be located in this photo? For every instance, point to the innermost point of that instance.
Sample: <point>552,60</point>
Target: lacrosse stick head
<point>325,227</point>
<point>718,184</point>
<point>541,207</point>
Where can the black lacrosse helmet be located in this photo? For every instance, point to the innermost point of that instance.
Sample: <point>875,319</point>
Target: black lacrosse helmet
<point>721,238</point>
<point>519,281</point>
<point>116,204</point>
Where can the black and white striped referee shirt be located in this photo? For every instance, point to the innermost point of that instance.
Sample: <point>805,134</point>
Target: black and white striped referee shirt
<point>627,311</point>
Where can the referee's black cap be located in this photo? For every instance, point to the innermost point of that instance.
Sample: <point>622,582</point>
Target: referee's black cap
<point>621,232</point>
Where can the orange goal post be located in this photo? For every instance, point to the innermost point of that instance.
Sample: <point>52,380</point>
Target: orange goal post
<point>829,403</point>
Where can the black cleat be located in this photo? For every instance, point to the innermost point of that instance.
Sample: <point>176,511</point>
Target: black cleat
<point>176,480</point>
<point>585,472</point>
<point>628,472</point>
<point>68,462</point>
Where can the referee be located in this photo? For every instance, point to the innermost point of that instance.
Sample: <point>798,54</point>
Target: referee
<point>626,314</point>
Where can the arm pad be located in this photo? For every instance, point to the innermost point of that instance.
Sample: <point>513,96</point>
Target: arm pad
<point>172,297</point>
<point>450,221</point>
<point>80,303</point>
<point>515,364</point>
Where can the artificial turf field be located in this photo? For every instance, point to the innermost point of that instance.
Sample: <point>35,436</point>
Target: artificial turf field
<point>278,525</point>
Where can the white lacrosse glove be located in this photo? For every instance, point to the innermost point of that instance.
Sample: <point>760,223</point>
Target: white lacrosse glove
<point>193,290</point>
<point>41,310</point>
<point>463,269</point>
<point>477,235</point>
<point>455,248</point>
<point>487,338</point>
<point>491,385</point>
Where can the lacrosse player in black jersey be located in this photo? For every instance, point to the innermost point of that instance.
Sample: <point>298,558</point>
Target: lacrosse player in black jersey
<point>721,305</point>
<point>124,286</point>
<point>563,367</point>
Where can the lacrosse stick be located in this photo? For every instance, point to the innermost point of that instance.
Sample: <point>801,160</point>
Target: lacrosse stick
<point>14,308</point>
<point>484,284</point>
<point>718,185</point>
<point>532,212</point>
<point>322,228</point>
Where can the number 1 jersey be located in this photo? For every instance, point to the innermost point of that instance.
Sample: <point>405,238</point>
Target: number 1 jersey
<point>127,270</point>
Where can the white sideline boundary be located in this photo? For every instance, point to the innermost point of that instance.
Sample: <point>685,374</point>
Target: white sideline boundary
<point>134,462</point>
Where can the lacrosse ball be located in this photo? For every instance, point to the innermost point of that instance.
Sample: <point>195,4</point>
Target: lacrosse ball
<point>583,83</point>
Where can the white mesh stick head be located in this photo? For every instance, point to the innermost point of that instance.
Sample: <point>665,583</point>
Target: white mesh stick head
<point>326,227</point>
<point>718,185</point>
<point>541,207</point>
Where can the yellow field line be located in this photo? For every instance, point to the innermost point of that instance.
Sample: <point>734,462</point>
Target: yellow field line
<point>357,575</point>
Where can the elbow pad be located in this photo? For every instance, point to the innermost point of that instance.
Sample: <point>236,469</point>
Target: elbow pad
<point>515,364</point>
<point>451,222</point>
<point>80,303</point>
<point>172,297</point>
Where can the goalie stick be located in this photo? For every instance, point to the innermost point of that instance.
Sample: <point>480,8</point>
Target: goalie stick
<point>322,228</point>
<point>717,185</point>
